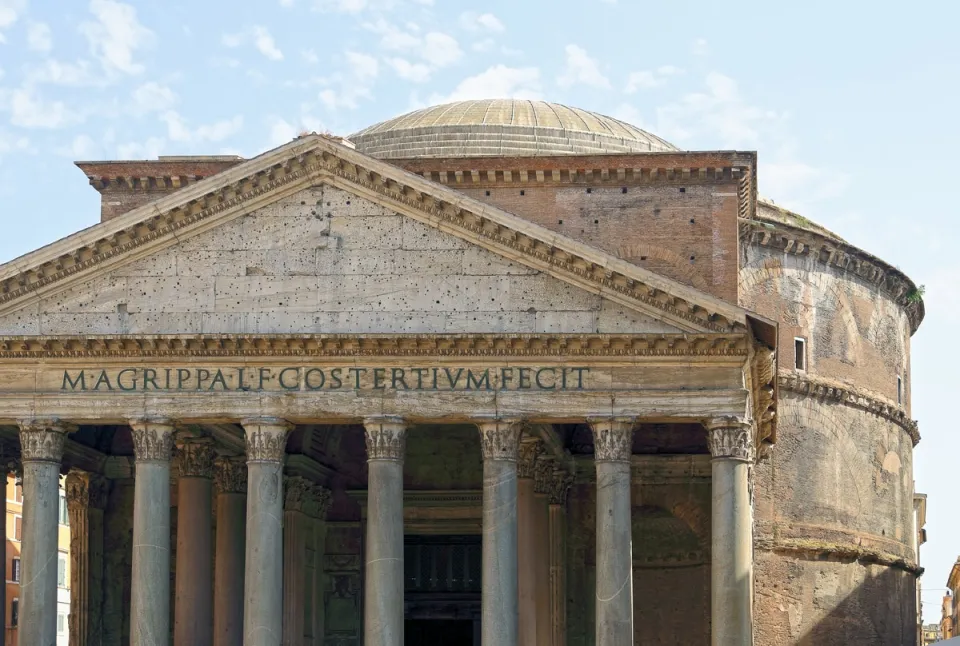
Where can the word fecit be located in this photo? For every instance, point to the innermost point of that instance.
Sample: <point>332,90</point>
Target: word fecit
<point>306,378</point>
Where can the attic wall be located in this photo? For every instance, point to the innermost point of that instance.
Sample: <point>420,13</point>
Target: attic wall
<point>323,261</point>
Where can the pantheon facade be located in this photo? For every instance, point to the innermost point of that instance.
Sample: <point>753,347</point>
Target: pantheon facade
<point>495,372</point>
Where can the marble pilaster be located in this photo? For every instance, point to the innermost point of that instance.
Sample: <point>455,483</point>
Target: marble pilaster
<point>613,440</point>
<point>41,450</point>
<point>383,588</point>
<point>499,442</point>
<point>150,585</point>
<point>193,602</point>
<point>230,476</point>
<point>263,583</point>
<point>86,501</point>
<point>304,504</point>
<point>560,482</point>
<point>731,592</point>
<point>528,550</point>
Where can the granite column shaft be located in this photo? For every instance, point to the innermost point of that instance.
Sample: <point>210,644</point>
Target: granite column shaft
<point>230,475</point>
<point>86,500</point>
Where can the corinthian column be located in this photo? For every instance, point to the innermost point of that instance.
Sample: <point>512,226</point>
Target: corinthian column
<point>86,500</point>
<point>559,487</point>
<point>193,604</point>
<point>383,588</point>
<point>731,555</point>
<point>499,441</point>
<point>150,585</point>
<point>41,449</point>
<point>527,549</point>
<point>304,503</point>
<point>263,583</point>
<point>612,440</point>
<point>542,476</point>
<point>230,475</point>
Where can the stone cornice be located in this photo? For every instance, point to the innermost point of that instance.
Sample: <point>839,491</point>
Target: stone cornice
<point>406,345</point>
<point>825,390</point>
<point>835,253</point>
<point>824,550</point>
<point>312,159</point>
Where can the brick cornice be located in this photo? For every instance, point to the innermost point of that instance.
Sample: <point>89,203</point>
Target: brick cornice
<point>313,159</point>
<point>835,253</point>
<point>825,390</point>
<point>407,345</point>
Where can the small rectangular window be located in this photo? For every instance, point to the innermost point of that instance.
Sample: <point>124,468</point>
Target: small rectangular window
<point>15,612</point>
<point>17,527</point>
<point>61,624</point>
<point>62,509</point>
<point>15,571</point>
<point>800,353</point>
<point>61,572</point>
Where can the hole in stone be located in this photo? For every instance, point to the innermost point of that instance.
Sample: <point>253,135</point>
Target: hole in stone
<point>682,190</point>
<point>643,257</point>
<point>487,193</point>
<point>523,193</point>
<point>559,221</point>
<point>623,190</point>
<point>692,220</point>
<point>589,190</point>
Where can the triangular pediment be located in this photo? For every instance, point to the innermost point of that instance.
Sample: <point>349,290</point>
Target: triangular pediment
<point>316,237</point>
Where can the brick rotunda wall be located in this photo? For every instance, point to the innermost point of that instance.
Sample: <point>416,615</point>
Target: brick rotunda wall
<point>833,524</point>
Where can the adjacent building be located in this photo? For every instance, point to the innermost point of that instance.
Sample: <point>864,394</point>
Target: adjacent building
<point>931,634</point>
<point>506,372</point>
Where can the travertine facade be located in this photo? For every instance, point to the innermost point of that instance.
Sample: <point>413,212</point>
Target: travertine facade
<point>542,396</point>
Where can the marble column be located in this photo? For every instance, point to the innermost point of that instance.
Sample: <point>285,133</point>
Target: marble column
<point>263,583</point>
<point>150,584</point>
<point>731,554</point>
<point>41,449</point>
<point>383,586</point>
<point>542,475</point>
<point>499,442</point>
<point>86,501</point>
<point>613,439</point>
<point>305,502</point>
<point>527,549</point>
<point>193,592</point>
<point>559,487</point>
<point>230,476</point>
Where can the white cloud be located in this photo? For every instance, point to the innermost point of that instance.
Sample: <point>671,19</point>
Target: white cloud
<point>12,143</point>
<point>116,35</point>
<point>178,130</point>
<point>649,79</point>
<point>82,147</point>
<point>415,72</point>
<point>78,74</point>
<point>286,3</point>
<point>39,38</point>
<point>498,81</point>
<point>346,89</point>
<point>259,36</point>
<point>265,44</point>
<point>340,6</point>
<point>281,132</point>
<point>150,149</point>
<point>28,110</point>
<point>581,69</point>
<point>473,21</point>
<point>700,47</point>
<point>10,12</point>
<point>310,56</point>
<point>153,96</point>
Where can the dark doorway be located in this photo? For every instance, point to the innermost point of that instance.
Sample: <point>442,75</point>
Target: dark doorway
<point>438,632</point>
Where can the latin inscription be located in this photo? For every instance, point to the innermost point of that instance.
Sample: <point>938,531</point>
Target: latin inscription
<point>305,378</point>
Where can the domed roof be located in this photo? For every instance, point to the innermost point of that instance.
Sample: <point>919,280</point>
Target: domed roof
<point>503,128</point>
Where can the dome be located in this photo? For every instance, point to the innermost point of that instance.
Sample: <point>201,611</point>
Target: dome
<point>503,128</point>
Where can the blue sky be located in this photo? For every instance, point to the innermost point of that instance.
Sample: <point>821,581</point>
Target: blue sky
<point>852,107</point>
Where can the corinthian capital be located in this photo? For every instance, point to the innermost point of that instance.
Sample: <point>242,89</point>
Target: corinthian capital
<point>230,475</point>
<point>500,439</point>
<point>195,457</point>
<point>386,438</point>
<point>730,438</point>
<point>85,490</point>
<point>307,497</point>
<point>560,484</point>
<point>266,439</point>
<point>612,439</point>
<point>152,439</point>
<point>530,452</point>
<point>42,440</point>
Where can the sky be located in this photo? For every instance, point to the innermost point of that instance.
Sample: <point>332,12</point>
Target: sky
<point>852,107</point>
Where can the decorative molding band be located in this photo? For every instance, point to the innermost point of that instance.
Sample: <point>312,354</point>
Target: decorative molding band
<point>840,255</point>
<point>43,440</point>
<point>316,158</point>
<point>824,390</point>
<point>85,490</point>
<point>385,438</point>
<point>408,345</point>
<point>821,550</point>
<point>230,475</point>
<point>591,176</point>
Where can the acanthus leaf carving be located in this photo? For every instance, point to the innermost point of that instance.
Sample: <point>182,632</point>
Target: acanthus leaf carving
<point>612,439</point>
<point>84,491</point>
<point>385,438</point>
<point>500,439</point>
<point>266,439</point>
<point>302,495</point>
<point>43,440</point>
<point>230,474</point>
<point>152,440</point>
<point>528,455</point>
<point>730,438</point>
<point>195,458</point>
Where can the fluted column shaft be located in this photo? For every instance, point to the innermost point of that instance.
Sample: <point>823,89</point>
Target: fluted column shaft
<point>150,584</point>
<point>304,502</point>
<point>193,601</point>
<point>731,558</point>
<point>86,500</point>
<point>263,584</point>
<point>499,441</point>
<point>41,446</point>
<point>614,604</point>
<point>383,588</point>
<point>230,475</point>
